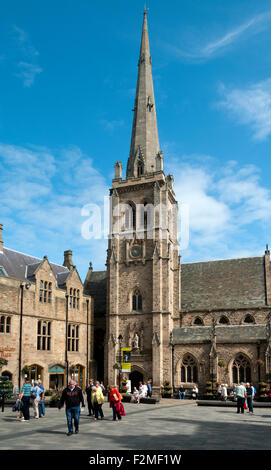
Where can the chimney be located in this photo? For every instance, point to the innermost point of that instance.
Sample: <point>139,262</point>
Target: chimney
<point>68,259</point>
<point>1,239</point>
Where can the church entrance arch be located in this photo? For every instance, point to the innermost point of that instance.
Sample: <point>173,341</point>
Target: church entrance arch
<point>135,378</point>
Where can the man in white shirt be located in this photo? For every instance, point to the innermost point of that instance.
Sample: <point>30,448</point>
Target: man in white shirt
<point>241,394</point>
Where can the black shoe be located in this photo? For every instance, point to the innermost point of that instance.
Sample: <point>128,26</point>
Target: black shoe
<point>69,433</point>
<point>76,431</point>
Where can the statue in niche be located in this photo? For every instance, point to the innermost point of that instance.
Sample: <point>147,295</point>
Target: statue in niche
<point>136,341</point>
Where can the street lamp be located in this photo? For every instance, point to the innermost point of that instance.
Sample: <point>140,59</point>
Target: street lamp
<point>171,342</point>
<point>27,286</point>
<point>120,338</point>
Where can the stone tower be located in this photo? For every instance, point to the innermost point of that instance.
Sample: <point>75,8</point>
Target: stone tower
<point>143,263</point>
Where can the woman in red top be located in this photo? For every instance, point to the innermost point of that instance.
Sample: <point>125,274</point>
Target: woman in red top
<point>115,403</point>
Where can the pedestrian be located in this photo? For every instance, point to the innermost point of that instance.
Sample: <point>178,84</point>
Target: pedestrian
<point>102,387</point>
<point>219,391</point>
<point>181,392</point>
<point>42,400</point>
<point>25,397</point>
<point>97,400</point>
<point>135,396</point>
<point>149,393</point>
<point>224,392</point>
<point>72,396</point>
<point>195,392</point>
<point>114,400</point>
<point>241,397</point>
<point>36,393</point>
<point>88,392</point>
<point>250,396</point>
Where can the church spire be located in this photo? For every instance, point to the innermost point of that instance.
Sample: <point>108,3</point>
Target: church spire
<point>145,156</point>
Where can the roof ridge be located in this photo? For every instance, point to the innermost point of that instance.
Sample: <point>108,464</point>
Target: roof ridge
<point>35,257</point>
<point>222,259</point>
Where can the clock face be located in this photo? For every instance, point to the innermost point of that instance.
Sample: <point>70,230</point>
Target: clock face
<point>135,251</point>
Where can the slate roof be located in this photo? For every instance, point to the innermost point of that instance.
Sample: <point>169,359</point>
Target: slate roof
<point>97,288</point>
<point>224,334</point>
<point>223,284</point>
<point>22,266</point>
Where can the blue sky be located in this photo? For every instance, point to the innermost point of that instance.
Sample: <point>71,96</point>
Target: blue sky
<point>68,76</point>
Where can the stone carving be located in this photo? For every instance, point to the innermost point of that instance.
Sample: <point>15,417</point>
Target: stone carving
<point>136,341</point>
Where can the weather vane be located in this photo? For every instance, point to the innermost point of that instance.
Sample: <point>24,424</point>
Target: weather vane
<point>145,8</point>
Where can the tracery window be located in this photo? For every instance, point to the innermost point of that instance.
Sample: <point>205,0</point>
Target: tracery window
<point>137,300</point>
<point>241,370</point>
<point>189,370</point>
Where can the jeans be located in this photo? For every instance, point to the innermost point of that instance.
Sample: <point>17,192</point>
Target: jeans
<point>25,409</point>
<point>181,395</point>
<point>41,408</point>
<point>240,404</point>
<point>250,403</point>
<point>115,413</point>
<point>73,413</point>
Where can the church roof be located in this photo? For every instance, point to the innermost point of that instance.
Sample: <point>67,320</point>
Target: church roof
<point>22,266</point>
<point>229,283</point>
<point>224,334</point>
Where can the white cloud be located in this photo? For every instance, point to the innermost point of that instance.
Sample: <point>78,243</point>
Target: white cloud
<point>42,193</point>
<point>214,47</point>
<point>251,106</point>
<point>229,208</point>
<point>28,68</point>
<point>28,73</point>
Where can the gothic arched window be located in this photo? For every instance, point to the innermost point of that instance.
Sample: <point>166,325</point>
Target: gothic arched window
<point>198,321</point>
<point>241,370</point>
<point>140,168</point>
<point>130,216</point>
<point>189,370</point>
<point>137,300</point>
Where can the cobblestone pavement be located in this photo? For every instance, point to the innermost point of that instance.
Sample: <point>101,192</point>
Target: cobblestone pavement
<point>169,425</point>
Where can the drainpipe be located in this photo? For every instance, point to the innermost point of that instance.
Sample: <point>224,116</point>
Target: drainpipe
<point>87,341</point>
<point>66,341</point>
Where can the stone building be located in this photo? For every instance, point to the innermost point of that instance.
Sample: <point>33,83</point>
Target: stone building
<point>46,320</point>
<point>187,323</point>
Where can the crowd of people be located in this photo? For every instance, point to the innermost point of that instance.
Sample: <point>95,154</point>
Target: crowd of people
<point>144,390</point>
<point>242,393</point>
<point>73,398</point>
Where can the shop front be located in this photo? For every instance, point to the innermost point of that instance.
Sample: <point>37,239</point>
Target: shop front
<point>56,377</point>
<point>78,375</point>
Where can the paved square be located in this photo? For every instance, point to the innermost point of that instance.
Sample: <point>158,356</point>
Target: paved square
<point>169,425</point>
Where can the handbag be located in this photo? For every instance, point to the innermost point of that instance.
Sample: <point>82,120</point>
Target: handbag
<point>115,396</point>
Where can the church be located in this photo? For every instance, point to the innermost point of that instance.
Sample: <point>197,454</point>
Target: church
<point>186,323</point>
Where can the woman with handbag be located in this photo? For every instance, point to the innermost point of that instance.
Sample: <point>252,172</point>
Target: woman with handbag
<point>115,403</point>
<point>97,400</point>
